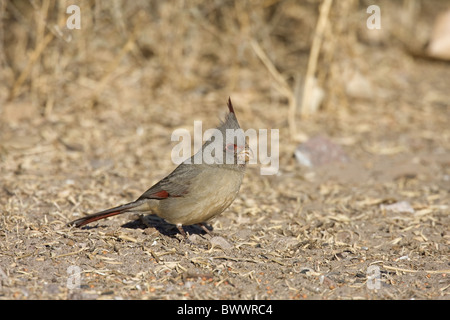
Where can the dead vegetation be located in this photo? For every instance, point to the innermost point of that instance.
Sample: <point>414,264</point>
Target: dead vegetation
<point>83,113</point>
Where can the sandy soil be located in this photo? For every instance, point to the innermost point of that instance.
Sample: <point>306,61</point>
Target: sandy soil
<point>335,231</point>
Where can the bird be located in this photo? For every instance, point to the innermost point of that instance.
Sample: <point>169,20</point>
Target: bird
<point>195,191</point>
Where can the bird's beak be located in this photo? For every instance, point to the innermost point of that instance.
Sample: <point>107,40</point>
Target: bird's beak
<point>245,155</point>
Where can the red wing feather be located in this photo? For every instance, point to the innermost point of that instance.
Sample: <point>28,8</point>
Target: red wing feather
<point>163,194</point>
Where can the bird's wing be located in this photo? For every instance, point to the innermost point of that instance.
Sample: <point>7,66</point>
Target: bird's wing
<point>175,184</point>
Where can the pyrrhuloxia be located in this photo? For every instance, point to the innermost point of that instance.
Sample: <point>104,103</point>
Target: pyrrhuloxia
<point>193,193</point>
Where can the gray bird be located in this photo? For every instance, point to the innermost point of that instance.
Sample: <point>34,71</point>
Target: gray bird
<point>194,192</point>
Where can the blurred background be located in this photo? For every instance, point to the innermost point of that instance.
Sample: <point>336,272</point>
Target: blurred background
<point>86,116</point>
<point>160,57</point>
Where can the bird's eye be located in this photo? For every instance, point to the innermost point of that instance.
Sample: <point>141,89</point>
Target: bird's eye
<point>231,147</point>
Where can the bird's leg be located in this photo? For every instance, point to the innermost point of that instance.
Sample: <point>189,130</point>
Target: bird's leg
<point>202,225</point>
<point>180,228</point>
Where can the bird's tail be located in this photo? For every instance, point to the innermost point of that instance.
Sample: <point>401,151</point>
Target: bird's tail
<point>135,206</point>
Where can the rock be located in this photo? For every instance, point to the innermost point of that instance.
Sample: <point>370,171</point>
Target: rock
<point>194,238</point>
<point>220,242</point>
<point>318,151</point>
<point>439,45</point>
<point>401,206</point>
<point>358,85</point>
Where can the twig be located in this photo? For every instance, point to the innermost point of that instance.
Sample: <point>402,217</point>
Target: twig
<point>26,71</point>
<point>414,271</point>
<point>314,56</point>
<point>235,259</point>
<point>69,253</point>
<point>281,85</point>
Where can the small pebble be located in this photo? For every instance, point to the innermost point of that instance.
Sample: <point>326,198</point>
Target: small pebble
<point>220,242</point>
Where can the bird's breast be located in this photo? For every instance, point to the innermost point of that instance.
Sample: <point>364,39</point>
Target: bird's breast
<point>209,194</point>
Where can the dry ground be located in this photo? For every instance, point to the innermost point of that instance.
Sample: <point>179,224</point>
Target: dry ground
<point>86,124</point>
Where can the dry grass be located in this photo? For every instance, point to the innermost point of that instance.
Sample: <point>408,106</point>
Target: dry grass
<point>85,123</point>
